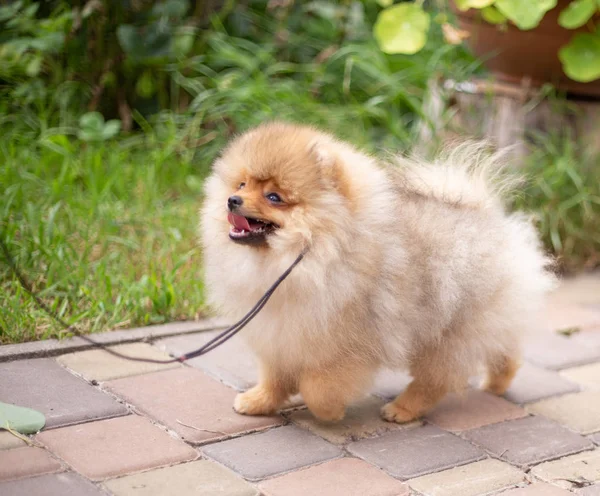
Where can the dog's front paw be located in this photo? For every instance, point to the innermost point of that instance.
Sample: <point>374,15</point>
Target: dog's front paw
<point>255,401</point>
<point>392,412</point>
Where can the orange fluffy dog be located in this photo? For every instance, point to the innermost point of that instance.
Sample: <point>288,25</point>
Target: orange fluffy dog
<point>414,266</point>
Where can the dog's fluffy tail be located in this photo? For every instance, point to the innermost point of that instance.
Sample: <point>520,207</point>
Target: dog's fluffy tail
<point>466,175</point>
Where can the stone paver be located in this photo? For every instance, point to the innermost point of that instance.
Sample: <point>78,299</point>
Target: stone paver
<point>473,479</point>
<point>64,399</point>
<point>534,383</point>
<point>273,452</point>
<point>593,490</point>
<point>8,441</point>
<point>113,447</point>
<point>390,383</point>
<point>586,375</point>
<point>562,315</point>
<point>25,462</point>
<point>345,476</point>
<point>64,484</point>
<point>595,438</point>
<point>527,440</point>
<point>102,366</point>
<point>188,396</point>
<point>473,409</point>
<point>413,452</point>
<point>361,421</point>
<point>583,467</point>
<point>187,479</point>
<point>538,489</point>
<point>233,363</point>
<point>556,352</point>
<point>581,290</point>
<point>578,411</point>
<point>588,338</point>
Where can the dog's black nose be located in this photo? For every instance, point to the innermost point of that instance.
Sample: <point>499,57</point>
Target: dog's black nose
<point>234,202</point>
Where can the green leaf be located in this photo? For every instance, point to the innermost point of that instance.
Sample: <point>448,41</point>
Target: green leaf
<point>92,121</point>
<point>326,10</point>
<point>493,15</point>
<point>109,79</point>
<point>577,13</point>
<point>126,34</point>
<point>21,419</point>
<point>525,14</point>
<point>183,41</point>
<point>440,18</point>
<point>387,3</point>
<point>145,85</point>
<point>479,4</point>
<point>472,4</point>
<point>91,126</point>
<point>49,43</point>
<point>143,43</point>
<point>462,4</point>
<point>86,135</point>
<point>58,143</point>
<point>111,129</point>
<point>34,66</point>
<point>581,57</point>
<point>171,8</point>
<point>10,11</point>
<point>402,28</point>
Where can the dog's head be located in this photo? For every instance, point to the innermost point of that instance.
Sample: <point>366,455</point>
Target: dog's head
<point>279,183</point>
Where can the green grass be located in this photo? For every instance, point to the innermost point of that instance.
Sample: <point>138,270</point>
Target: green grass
<point>563,190</point>
<point>106,234</point>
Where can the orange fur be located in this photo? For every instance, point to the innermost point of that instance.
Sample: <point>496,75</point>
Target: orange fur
<point>501,374</point>
<point>414,265</point>
<point>266,397</point>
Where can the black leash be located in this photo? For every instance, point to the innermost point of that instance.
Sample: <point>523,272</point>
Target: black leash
<point>211,345</point>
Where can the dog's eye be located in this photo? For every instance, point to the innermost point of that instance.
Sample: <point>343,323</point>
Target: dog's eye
<point>241,186</point>
<point>274,198</point>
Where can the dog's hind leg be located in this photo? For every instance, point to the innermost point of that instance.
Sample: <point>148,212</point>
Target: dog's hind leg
<point>500,373</point>
<point>434,376</point>
<point>419,397</point>
<point>327,391</point>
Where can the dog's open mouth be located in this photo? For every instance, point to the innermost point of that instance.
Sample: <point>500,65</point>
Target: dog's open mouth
<point>249,230</point>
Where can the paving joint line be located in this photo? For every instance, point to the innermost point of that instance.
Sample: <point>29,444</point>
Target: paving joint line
<point>55,347</point>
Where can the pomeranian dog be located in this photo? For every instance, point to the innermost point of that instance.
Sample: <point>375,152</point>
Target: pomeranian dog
<point>409,265</point>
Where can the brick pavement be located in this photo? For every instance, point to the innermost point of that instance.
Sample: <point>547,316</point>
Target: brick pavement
<point>124,428</point>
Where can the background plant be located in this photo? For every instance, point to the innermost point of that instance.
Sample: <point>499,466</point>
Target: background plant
<point>563,190</point>
<point>403,28</point>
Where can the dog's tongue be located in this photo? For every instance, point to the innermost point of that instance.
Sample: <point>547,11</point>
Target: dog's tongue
<point>239,222</point>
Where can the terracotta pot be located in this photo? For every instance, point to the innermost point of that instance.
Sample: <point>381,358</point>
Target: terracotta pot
<point>512,54</point>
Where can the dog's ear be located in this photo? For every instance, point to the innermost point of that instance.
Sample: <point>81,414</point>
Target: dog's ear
<point>321,154</point>
<point>324,154</point>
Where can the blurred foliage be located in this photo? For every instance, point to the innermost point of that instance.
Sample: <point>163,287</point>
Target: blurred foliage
<point>229,64</point>
<point>403,28</point>
<point>563,192</point>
